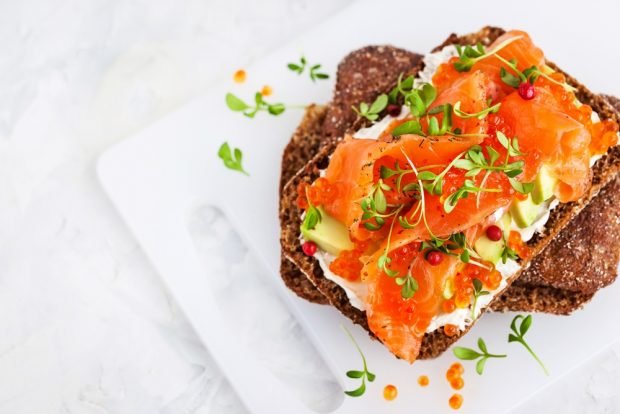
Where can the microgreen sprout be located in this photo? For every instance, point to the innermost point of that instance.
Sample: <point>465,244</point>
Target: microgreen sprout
<point>518,334</point>
<point>468,55</point>
<point>236,104</point>
<point>314,70</point>
<point>232,158</point>
<point>469,354</point>
<point>364,374</point>
<point>372,111</point>
<point>477,293</point>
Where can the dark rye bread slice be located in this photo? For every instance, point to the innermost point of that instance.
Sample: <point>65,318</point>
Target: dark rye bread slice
<point>361,76</point>
<point>582,259</point>
<point>558,281</point>
<point>436,342</point>
<point>565,275</point>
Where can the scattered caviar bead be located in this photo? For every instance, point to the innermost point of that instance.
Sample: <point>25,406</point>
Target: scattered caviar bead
<point>239,76</point>
<point>493,280</point>
<point>457,383</point>
<point>450,330</point>
<point>434,257</point>
<point>423,380</point>
<point>448,306</point>
<point>393,110</point>
<point>452,373</point>
<point>461,301</point>
<point>458,367</point>
<point>527,91</point>
<point>494,233</point>
<point>456,401</point>
<point>309,248</point>
<point>390,392</point>
<point>266,90</point>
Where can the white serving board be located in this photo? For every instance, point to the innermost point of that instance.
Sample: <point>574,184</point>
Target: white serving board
<point>159,175</point>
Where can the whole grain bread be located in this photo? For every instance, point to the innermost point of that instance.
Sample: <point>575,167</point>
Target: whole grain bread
<point>436,342</point>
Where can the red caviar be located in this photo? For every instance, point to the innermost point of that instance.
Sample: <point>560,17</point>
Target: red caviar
<point>347,264</point>
<point>390,392</point>
<point>515,242</point>
<point>458,367</point>
<point>448,306</point>
<point>456,401</point>
<point>450,330</point>
<point>266,90</point>
<point>239,76</point>
<point>423,380</point>
<point>457,383</point>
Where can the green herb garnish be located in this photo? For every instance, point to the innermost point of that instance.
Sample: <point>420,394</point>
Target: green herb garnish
<point>469,55</point>
<point>477,293</point>
<point>372,111</point>
<point>507,252</point>
<point>312,216</point>
<point>479,115</point>
<point>232,159</point>
<point>365,374</point>
<point>518,334</point>
<point>313,70</point>
<point>236,104</point>
<point>469,354</point>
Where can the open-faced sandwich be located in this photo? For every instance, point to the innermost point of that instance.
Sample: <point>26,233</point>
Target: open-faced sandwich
<point>452,177</point>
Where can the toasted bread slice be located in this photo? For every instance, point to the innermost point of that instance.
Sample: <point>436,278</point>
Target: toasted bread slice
<point>436,342</point>
<point>361,76</point>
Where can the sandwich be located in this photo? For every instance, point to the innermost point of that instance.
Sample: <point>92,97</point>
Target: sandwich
<point>439,197</point>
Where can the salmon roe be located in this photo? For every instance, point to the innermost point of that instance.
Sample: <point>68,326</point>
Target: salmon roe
<point>458,368</point>
<point>390,392</point>
<point>457,383</point>
<point>319,193</point>
<point>450,330</point>
<point>266,90</point>
<point>239,76</point>
<point>456,401</point>
<point>448,306</point>
<point>348,264</point>
<point>423,380</point>
<point>515,242</point>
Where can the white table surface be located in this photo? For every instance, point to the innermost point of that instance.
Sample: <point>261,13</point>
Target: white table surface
<point>85,324</point>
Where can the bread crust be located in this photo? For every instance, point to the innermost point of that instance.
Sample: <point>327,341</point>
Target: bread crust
<point>435,343</point>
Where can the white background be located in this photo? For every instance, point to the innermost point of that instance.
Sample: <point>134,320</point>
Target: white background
<point>85,325</point>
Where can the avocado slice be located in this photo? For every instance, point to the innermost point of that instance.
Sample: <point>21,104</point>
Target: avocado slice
<point>544,186</point>
<point>525,212</point>
<point>329,234</point>
<point>488,249</point>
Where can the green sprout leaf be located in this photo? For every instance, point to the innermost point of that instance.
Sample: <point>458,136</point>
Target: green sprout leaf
<point>232,158</point>
<point>482,355</point>
<point>517,335</point>
<point>236,104</point>
<point>364,374</point>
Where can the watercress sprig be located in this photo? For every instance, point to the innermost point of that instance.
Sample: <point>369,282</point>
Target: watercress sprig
<point>477,293</point>
<point>469,354</point>
<point>372,111</point>
<point>507,252</point>
<point>312,216</point>
<point>469,55</point>
<point>479,115</point>
<point>232,158</point>
<point>236,104</point>
<point>518,334</point>
<point>364,374</point>
<point>314,70</point>
<point>528,75</point>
